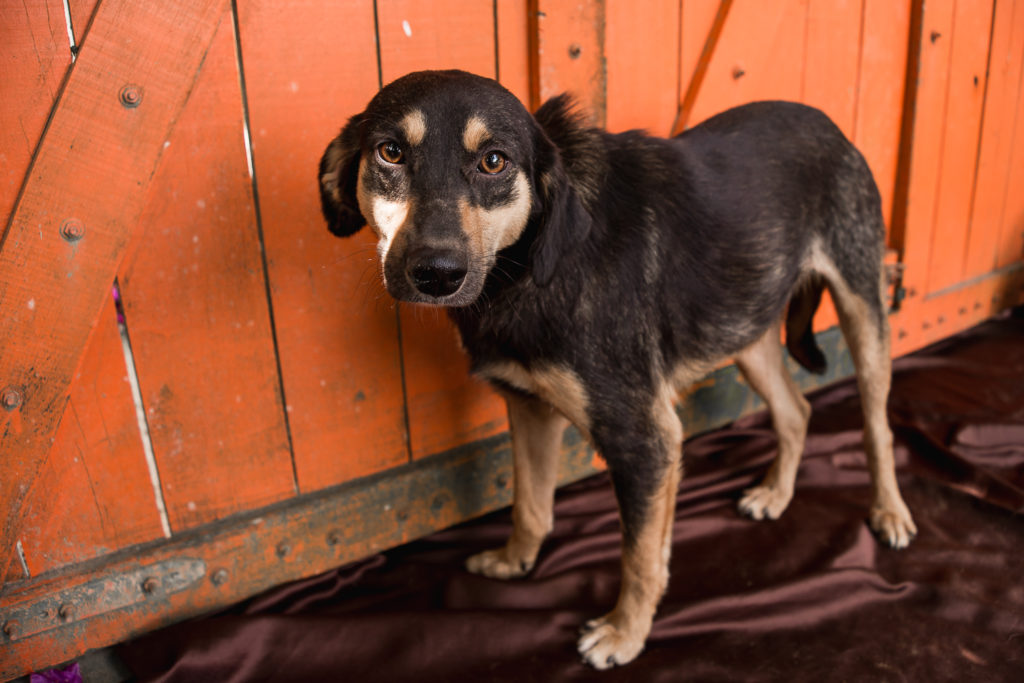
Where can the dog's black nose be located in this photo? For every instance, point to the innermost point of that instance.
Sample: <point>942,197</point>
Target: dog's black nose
<point>437,272</point>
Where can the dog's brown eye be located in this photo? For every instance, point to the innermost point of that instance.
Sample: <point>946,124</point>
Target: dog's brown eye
<point>390,152</point>
<point>493,162</point>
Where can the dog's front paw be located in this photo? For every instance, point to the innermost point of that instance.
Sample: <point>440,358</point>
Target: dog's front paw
<point>893,524</point>
<point>498,564</point>
<point>764,502</point>
<point>605,642</point>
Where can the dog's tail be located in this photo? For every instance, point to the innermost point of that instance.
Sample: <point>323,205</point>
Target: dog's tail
<point>799,330</point>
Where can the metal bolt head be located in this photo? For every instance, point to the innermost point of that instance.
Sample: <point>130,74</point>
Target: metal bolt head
<point>130,96</point>
<point>283,548</point>
<point>150,585</point>
<point>72,230</point>
<point>11,628</point>
<point>738,73</point>
<point>65,612</point>
<point>575,51</point>
<point>333,537</point>
<point>219,577</point>
<point>10,398</point>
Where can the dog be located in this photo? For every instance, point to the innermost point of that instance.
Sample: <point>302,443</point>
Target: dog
<point>593,276</point>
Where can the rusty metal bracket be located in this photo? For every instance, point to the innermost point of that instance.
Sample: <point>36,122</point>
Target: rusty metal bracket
<point>100,597</point>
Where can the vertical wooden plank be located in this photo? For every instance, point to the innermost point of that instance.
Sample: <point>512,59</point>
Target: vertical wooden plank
<point>60,251</point>
<point>642,56</point>
<point>308,67</point>
<point>93,495</point>
<point>831,60</point>
<point>972,22</point>
<point>1011,232</point>
<point>436,35</point>
<point>35,56</point>
<point>995,157</point>
<point>446,406</point>
<point>512,36</point>
<point>760,55</point>
<point>925,138</point>
<point>570,53</point>
<point>196,309</point>
<point>879,106</point>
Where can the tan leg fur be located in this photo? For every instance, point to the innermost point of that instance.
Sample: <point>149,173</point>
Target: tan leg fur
<point>536,439</point>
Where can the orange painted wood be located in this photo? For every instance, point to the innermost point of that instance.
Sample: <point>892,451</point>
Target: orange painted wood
<point>93,494</point>
<point>760,55</point>
<point>965,90</point>
<point>1011,233</point>
<point>929,72</point>
<point>570,53</point>
<point>880,85</point>
<point>642,55</point>
<point>701,29</point>
<point>336,327</point>
<point>446,407</point>
<point>513,38</point>
<point>94,150</point>
<point>956,309</point>
<point>197,315</point>
<point>996,159</point>
<point>34,59</point>
<point>452,34</point>
<point>832,60</point>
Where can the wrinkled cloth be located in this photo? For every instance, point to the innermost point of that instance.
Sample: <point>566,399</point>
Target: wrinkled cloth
<point>68,674</point>
<point>810,597</point>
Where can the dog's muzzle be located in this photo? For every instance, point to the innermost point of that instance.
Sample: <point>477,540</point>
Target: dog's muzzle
<point>436,272</point>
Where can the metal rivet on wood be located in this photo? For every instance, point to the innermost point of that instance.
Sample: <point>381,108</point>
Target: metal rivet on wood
<point>130,96</point>
<point>72,230</point>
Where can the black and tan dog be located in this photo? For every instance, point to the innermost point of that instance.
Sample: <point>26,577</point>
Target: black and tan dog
<point>593,276</point>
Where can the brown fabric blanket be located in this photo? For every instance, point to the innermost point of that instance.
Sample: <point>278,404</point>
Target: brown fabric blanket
<point>809,597</point>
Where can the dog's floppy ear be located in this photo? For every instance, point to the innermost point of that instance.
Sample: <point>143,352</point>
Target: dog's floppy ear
<point>339,173</point>
<point>564,222</point>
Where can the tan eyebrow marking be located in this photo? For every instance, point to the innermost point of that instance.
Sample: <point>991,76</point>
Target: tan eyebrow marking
<point>414,125</point>
<point>475,133</point>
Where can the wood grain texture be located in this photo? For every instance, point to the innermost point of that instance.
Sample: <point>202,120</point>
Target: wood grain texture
<point>570,56</point>
<point>997,218</point>
<point>93,495</point>
<point>93,160</point>
<point>965,90</point>
<point>336,327</point>
<point>197,314</point>
<point>642,56</point>
<point>513,45</point>
<point>880,86</point>
<point>445,34</point>
<point>35,57</point>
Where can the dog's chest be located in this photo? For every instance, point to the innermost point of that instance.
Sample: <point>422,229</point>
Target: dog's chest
<point>556,384</point>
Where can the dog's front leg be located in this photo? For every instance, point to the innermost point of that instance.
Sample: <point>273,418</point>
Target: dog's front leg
<point>645,470</point>
<point>537,430</point>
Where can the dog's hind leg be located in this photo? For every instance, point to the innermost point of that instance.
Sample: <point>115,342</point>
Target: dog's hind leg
<point>537,430</point>
<point>863,321</point>
<point>762,365</point>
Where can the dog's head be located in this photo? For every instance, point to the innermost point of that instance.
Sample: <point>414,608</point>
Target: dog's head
<point>448,169</point>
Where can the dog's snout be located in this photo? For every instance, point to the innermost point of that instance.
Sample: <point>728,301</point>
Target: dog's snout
<point>437,272</point>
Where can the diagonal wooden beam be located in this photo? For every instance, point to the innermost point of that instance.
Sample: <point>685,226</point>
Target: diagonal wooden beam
<point>710,43</point>
<point>78,211</point>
